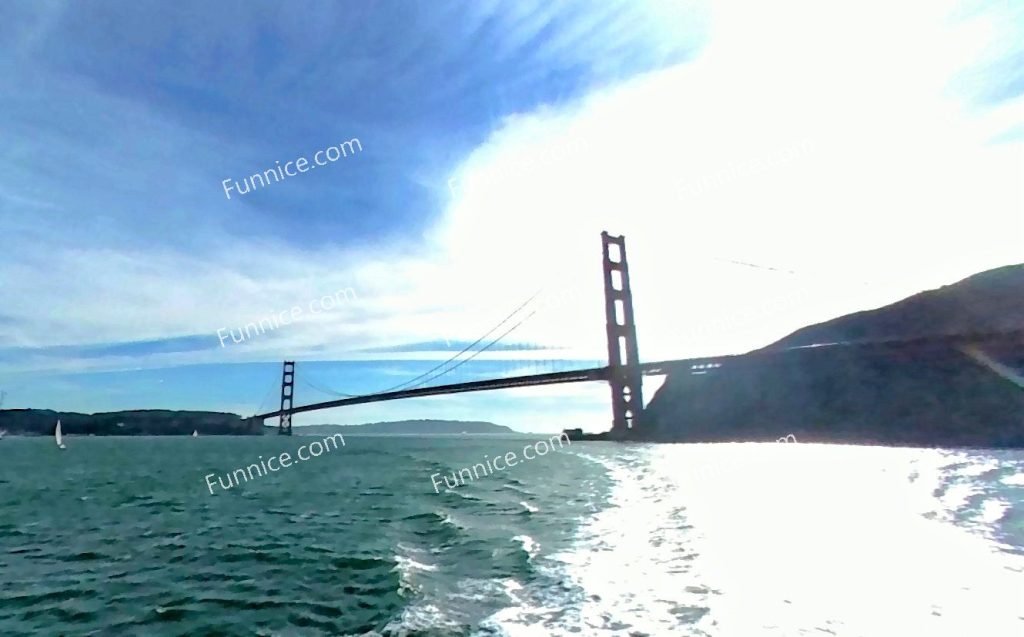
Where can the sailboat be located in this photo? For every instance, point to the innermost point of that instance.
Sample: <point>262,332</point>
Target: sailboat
<point>195,433</point>
<point>3,432</point>
<point>58,437</point>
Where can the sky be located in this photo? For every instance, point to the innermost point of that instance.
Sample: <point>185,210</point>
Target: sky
<point>771,165</point>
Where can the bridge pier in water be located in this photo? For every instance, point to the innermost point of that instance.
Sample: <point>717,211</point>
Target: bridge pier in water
<point>624,374</point>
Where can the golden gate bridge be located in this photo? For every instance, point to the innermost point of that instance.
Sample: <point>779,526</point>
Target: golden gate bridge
<point>624,372</point>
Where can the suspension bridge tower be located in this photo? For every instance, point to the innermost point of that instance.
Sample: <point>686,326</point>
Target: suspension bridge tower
<point>284,426</point>
<point>623,357</point>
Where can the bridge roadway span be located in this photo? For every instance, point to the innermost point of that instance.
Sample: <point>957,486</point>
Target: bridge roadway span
<point>903,346</point>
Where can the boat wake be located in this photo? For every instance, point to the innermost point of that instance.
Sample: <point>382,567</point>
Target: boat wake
<point>778,540</point>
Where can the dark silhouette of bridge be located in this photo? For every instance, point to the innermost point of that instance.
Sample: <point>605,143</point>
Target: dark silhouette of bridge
<point>624,371</point>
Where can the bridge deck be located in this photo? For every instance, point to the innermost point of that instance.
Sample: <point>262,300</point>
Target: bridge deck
<point>917,345</point>
<point>574,376</point>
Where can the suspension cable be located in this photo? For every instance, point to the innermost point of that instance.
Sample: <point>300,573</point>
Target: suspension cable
<point>468,347</point>
<point>478,352</point>
<point>269,394</point>
<point>329,391</point>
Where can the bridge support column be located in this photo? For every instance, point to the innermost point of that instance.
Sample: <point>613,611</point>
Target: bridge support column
<point>623,356</point>
<point>284,427</point>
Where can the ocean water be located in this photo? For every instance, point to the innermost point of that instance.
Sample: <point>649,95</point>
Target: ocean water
<point>121,536</point>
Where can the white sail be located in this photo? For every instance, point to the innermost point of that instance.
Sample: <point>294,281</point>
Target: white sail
<point>195,433</point>
<point>58,437</point>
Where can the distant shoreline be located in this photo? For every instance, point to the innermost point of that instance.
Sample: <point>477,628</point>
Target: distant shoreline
<point>161,422</point>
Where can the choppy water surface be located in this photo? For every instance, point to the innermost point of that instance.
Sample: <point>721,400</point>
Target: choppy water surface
<point>119,536</point>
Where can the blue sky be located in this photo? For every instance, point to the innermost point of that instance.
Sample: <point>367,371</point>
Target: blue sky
<point>864,154</point>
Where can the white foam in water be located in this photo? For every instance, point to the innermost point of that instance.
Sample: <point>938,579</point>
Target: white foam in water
<point>423,614</point>
<point>449,520</point>
<point>529,545</point>
<point>1015,480</point>
<point>780,540</point>
<point>419,617</point>
<point>406,567</point>
<point>993,511</point>
<point>444,613</point>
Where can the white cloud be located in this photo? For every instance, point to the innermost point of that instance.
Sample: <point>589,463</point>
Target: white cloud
<point>840,150</point>
<point>838,143</point>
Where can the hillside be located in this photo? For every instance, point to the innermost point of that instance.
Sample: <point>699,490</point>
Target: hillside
<point>147,422</point>
<point>940,397</point>
<point>992,301</point>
